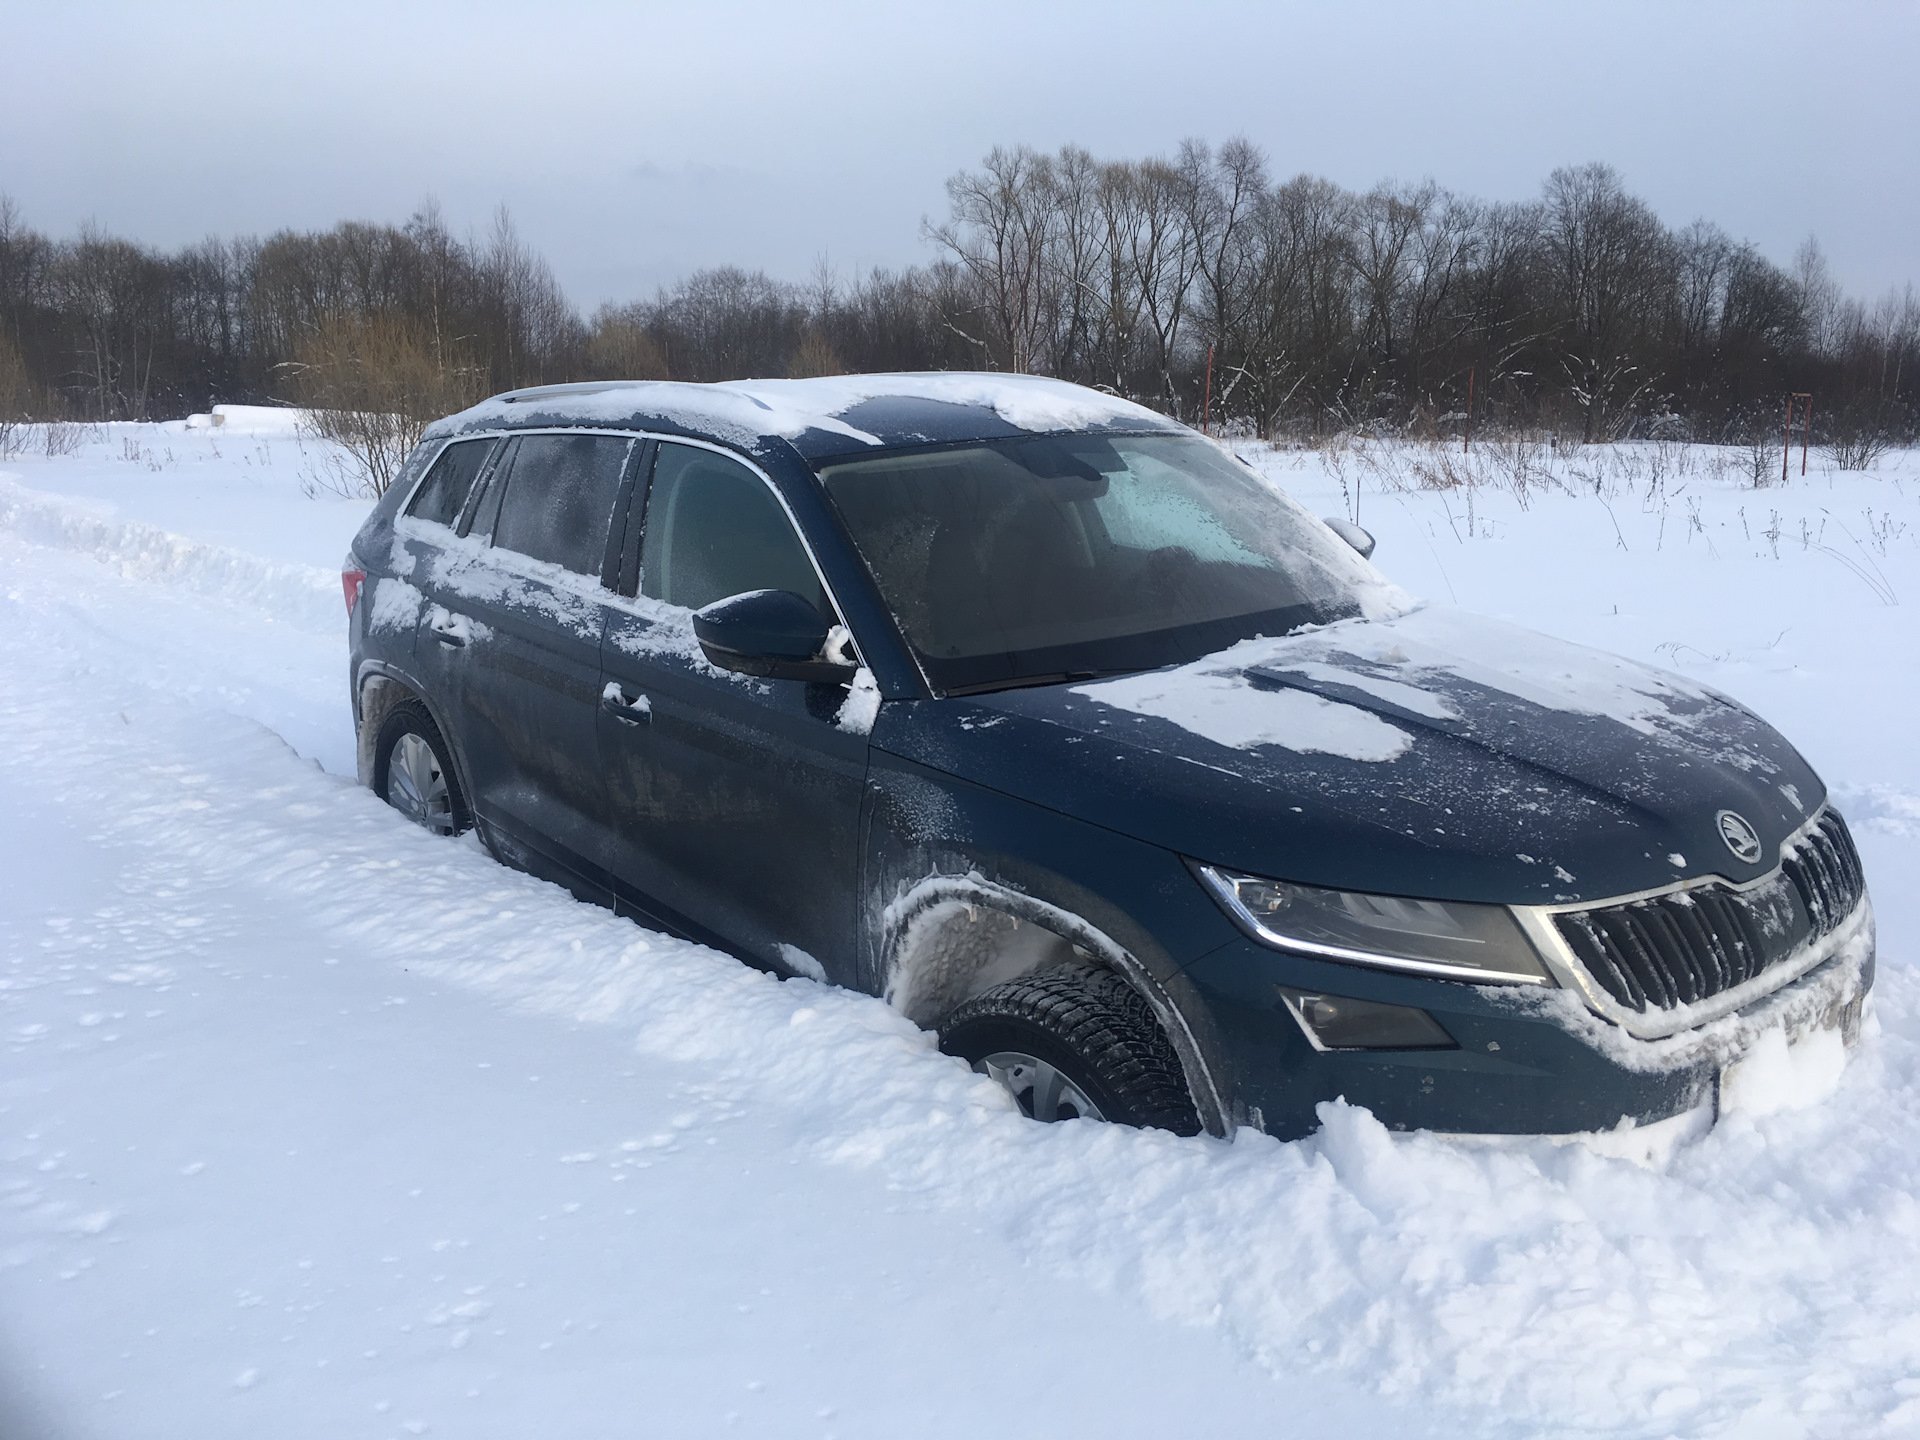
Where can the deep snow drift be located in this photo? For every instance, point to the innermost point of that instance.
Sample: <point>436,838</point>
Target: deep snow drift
<point>313,1125</point>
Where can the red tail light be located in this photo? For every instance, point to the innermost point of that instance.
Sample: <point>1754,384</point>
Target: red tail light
<point>351,579</point>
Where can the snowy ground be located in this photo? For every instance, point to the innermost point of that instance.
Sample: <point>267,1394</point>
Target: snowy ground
<point>314,1126</point>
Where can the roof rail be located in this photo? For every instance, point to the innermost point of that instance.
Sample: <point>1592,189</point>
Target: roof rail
<point>582,387</point>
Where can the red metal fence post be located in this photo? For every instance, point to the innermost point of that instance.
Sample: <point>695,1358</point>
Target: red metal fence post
<point>1806,433</point>
<point>1786,446</point>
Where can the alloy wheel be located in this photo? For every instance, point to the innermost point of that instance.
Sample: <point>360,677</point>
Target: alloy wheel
<point>1042,1091</point>
<point>417,786</point>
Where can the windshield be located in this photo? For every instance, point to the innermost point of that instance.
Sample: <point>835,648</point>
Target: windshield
<point>1011,562</point>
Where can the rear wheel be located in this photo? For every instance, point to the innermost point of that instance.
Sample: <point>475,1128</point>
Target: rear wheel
<point>413,771</point>
<point>1075,1043</point>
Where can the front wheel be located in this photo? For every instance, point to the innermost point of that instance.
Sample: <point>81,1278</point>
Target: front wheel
<point>1075,1043</point>
<point>413,771</point>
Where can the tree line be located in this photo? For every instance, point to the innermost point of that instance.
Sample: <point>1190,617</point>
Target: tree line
<point>1199,284</point>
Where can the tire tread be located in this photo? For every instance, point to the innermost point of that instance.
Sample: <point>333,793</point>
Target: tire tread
<point>1102,1019</point>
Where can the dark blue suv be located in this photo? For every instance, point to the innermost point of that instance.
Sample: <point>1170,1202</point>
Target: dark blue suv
<point>1054,724</point>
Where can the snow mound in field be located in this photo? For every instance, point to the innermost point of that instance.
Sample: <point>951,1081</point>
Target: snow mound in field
<point>259,420</point>
<point>302,595</point>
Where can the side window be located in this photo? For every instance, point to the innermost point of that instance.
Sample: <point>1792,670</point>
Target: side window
<point>714,529</point>
<point>559,498</point>
<point>443,494</point>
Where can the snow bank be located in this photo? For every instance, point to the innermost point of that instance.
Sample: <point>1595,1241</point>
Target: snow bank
<point>294,594</point>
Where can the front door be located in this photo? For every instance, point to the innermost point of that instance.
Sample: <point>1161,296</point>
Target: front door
<point>735,801</point>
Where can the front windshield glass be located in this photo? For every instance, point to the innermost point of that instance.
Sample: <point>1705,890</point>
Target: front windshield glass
<point>1029,561</point>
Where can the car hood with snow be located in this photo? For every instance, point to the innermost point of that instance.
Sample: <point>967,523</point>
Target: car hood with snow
<point>1436,754</point>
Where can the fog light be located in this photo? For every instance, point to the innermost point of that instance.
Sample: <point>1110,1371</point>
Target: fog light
<point>1334,1022</point>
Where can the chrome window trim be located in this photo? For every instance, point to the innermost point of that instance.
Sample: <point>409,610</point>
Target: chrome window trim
<point>624,603</point>
<point>799,530</point>
<point>1557,954</point>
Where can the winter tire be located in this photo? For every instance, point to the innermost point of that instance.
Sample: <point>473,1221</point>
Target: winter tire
<point>413,771</point>
<point>1075,1043</point>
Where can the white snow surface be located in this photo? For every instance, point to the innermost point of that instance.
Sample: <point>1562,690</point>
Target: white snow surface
<point>1214,699</point>
<point>1026,402</point>
<point>743,409</point>
<point>312,1124</point>
<point>1221,705</point>
<point>862,705</point>
<point>269,420</point>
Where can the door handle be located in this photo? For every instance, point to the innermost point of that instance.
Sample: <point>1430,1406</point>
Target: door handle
<point>448,629</point>
<point>632,709</point>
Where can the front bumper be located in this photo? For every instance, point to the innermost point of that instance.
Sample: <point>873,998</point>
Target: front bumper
<point>1529,1060</point>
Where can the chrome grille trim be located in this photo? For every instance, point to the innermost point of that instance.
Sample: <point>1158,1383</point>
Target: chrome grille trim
<point>1666,960</point>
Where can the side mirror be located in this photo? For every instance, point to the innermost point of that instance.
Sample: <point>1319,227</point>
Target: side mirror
<point>1351,533</point>
<point>771,633</point>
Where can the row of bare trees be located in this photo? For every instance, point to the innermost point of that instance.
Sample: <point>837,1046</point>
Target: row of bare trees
<point>1198,284</point>
<point>1201,284</point>
<point>110,330</point>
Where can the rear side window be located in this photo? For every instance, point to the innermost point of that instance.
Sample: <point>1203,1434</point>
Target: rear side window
<point>714,529</point>
<point>559,498</point>
<point>443,494</point>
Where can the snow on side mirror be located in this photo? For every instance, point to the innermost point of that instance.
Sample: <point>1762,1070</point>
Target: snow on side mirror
<point>775,634</point>
<point>1351,533</point>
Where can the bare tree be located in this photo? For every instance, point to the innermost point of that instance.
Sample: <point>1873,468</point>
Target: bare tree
<point>1609,258</point>
<point>1001,233</point>
<point>1226,192</point>
<point>618,347</point>
<point>1163,258</point>
<point>372,384</point>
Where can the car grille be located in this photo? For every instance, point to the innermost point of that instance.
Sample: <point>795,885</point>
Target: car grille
<point>1684,947</point>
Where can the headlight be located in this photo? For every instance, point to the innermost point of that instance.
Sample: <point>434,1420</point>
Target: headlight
<point>1450,939</point>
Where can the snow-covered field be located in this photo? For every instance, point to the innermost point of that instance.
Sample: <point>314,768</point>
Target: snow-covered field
<point>312,1125</point>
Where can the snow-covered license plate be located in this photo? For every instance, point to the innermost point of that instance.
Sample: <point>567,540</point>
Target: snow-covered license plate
<point>1783,1068</point>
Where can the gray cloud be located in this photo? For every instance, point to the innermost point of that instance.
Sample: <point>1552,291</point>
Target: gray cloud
<point>635,142</point>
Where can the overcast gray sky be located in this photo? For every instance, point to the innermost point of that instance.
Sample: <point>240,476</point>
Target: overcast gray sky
<point>636,142</point>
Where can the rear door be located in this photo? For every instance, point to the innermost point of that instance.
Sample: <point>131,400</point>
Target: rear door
<point>735,801</point>
<point>523,609</point>
<point>426,543</point>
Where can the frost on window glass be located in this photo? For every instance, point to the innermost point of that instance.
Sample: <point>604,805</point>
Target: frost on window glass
<point>714,529</point>
<point>559,498</point>
<point>1145,508</point>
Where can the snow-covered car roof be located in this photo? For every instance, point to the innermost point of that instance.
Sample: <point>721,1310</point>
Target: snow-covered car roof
<point>824,417</point>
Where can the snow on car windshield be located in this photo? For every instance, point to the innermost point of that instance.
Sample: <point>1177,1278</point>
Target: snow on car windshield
<point>1024,561</point>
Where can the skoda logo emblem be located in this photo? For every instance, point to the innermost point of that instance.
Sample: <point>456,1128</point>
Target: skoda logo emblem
<point>1742,839</point>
